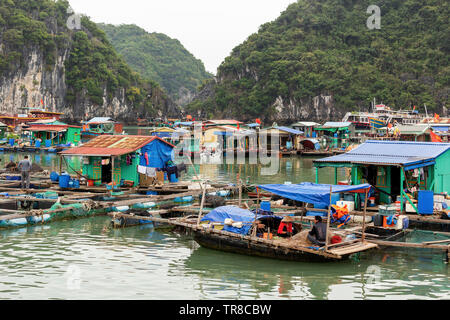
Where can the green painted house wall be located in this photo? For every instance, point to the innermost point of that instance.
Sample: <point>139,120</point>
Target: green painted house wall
<point>442,173</point>
<point>93,170</point>
<point>73,135</point>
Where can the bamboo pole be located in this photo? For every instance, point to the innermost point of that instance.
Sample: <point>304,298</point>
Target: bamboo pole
<point>328,220</point>
<point>201,206</point>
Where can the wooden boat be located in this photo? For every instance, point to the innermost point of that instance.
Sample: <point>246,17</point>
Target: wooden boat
<point>229,242</point>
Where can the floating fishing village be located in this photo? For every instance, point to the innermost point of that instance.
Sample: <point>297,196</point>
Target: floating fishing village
<point>301,153</point>
<point>397,180</point>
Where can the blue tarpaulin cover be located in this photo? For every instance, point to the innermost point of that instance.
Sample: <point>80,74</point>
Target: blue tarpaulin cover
<point>158,153</point>
<point>317,194</point>
<point>237,215</point>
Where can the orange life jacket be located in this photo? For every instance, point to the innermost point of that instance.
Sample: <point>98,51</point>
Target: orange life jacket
<point>284,225</point>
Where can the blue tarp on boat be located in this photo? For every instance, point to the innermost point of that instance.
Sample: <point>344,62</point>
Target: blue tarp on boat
<point>237,215</point>
<point>317,194</point>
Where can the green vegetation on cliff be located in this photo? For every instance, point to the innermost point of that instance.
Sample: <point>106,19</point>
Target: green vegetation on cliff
<point>92,66</point>
<point>325,47</point>
<point>158,57</point>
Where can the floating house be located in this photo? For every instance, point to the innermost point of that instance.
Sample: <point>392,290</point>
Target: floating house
<point>31,116</point>
<point>100,126</point>
<point>307,127</point>
<point>336,134</point>
<point>50,133</point>
<point>392,166</point>
<point>163,132</point>
<point>114,159</point>
<point>289,139</point>
<point>416,132</point>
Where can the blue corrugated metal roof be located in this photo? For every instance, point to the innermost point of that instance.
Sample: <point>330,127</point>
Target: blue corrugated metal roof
<point>441,128</point>
<point>391,152</point>
<point>290,130</point>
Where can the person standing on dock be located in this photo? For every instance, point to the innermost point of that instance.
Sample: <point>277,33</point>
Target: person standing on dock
<point>25,168</point>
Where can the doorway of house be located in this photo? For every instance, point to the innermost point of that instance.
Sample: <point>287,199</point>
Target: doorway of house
<point>106,170</point>
<point>395,183</point>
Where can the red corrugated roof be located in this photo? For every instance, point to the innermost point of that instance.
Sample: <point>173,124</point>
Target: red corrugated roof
<point>108,145</point>
<point>49,127</point>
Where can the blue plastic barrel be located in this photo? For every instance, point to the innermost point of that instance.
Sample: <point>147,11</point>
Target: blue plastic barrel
<point>335,197</point>
<point>173,178</point>
<point>76,184</point>
<point>265,206</point>
<point>48,143</point>
<point>64,181</point>
<point>54,177</point>
<point>11,142</point>
<point>426,202</point>
<point>38,144</point>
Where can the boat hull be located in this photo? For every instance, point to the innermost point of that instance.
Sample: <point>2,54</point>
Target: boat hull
<point>237,245</point>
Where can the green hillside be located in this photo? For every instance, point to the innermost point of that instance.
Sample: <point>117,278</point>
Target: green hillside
<point>92,66</point>
<point>158,57</point>
<point>324,47</point>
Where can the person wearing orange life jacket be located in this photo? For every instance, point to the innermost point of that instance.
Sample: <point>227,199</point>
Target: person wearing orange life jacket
<point>286,227</point>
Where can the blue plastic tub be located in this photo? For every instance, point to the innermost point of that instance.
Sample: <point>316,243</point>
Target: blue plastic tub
<point>64,181</point>
<point>11,142</point>
<point>38,144</point>
<point>48,143</point>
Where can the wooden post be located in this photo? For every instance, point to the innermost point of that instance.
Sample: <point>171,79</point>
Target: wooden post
<point>112,171</point>
<point>256,213</point>
<point>402,179</point>
<point>335,175</point>
<point>240,186</point>
<point>328,220</point>
<point>363,238</point>
<point>60,164</point>
<point>317,175</point>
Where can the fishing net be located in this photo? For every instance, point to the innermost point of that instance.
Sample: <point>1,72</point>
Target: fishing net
<point>215,201</point>
<point>36,168</point>
<point>73,210</point>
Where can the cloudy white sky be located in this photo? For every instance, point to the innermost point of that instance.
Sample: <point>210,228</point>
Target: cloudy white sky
<point>209,29</point>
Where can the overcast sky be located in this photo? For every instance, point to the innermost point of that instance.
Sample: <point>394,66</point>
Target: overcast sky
<point>209,29</point>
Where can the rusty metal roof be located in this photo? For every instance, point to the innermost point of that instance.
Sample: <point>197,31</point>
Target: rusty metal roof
<point>108,145</point>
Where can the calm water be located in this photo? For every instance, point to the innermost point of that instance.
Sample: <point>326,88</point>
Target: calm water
<point>85,259</point>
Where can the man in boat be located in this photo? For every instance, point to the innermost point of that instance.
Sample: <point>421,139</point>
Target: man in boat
<point>318,233</point>
<point>25,168</point>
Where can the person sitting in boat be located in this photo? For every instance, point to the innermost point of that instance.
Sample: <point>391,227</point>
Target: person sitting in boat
<point>318,233</point>
<point>286,229</point>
